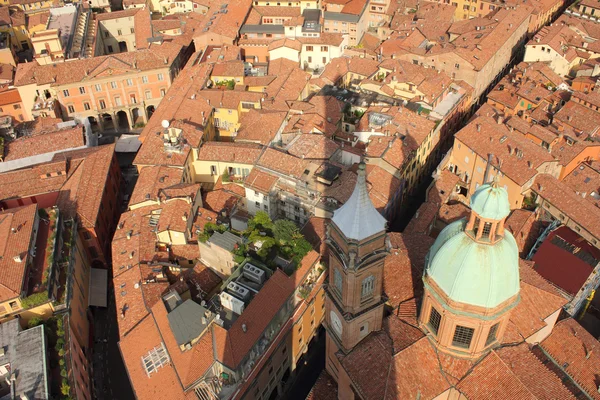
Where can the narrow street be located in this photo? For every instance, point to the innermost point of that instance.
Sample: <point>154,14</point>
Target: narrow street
<point>308,370</point>
<point>110,377</point>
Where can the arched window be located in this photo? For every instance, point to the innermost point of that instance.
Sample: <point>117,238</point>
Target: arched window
<point>368,285</point>
<point>337,277</point>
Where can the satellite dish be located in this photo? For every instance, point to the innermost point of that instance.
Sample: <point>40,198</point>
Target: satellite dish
<point>165,124</point>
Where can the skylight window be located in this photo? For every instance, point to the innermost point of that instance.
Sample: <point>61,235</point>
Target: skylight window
<point>155,359</point>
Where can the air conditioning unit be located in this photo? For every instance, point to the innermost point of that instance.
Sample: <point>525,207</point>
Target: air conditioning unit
<point>238,291</point>
<point>254,273</point>
<point>232,303</point>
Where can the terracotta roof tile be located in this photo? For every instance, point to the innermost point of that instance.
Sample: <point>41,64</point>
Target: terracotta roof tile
<point>568,202</point>
<point>42,178</point>
<point>261,126</point>
<point>15,244</point>
<point>39,144</point>
<point>189,365</point>
<point>129,300</point>
<point>313,147</point>
<point>407,382</point>
<point>9,96</point>
<point>492,379</point>
<point>174,216</point>
<point>483,135</point>
<point>573,348</point>
<point>79,70</point>
<point>84,191</point>
<point>224,199</point>
<point>233,345</point>
<point>325,388</point>
<point>538,379</point>
<point>283,163</point>
<point>260,181</point>
<point>368,365</point>
<point>242,153</point>
<point>162,385</point>
<point>229,68</point>
<point>403,268</point>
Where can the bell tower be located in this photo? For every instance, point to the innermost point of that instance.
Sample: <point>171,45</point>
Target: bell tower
<point>358,246</point>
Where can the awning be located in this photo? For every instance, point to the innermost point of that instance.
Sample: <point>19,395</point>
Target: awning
<point>98,287</point>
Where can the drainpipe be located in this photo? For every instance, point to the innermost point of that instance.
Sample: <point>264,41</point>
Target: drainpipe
<point>487,168</point>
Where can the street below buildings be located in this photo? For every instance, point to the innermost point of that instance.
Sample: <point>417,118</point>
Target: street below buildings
<point>110,377</point>
<point>308,370</point>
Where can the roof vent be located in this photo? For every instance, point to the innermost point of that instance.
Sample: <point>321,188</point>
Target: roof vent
<point>244,328</point>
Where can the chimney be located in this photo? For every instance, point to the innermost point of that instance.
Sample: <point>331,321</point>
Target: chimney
<point>131,255</point>
<point>129,235</point>
<point>244,328</point>
<point>18,258</point>
<point>499,120</point>
<point>478,127</point>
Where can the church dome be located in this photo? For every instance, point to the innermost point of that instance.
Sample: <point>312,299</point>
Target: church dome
<point>490,202</point>
<point>472,272</point>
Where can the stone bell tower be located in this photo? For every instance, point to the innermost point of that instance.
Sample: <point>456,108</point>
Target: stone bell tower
<point>358,246</point>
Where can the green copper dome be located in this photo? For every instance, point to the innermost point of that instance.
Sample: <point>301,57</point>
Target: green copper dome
<point>490,202</point>
<point>474,273</point>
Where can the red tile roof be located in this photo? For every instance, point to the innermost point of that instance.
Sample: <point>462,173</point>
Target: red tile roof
<point>568,202</point>
<point>162,385</point>
<point>260,126</point>
<point>260,181</point>
<point>313,147</point>
<point>152,180</point>
<point>576,351</point>
<point>241,153</point>
<point>83,69</point>
<point>532,373</point>
<point>190,365</point>
<point>483,136</point>
<point>325,388</point>
<point>45,143</point>
<point>16,229</point>
<point>84,191</point>
<point>233,345</point>
<point>9,96</point>
<point>492,379</point>
<point>283,163</point>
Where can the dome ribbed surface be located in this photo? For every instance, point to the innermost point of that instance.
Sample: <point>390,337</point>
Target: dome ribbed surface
<point>474,273</point>
<point>490,202</point>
